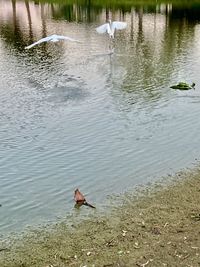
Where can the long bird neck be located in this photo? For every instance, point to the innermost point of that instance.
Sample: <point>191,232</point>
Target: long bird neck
<point>110,29</point>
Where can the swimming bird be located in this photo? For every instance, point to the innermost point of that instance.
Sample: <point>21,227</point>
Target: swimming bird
<point>110,27</point>
<point>183,86</point>
<point>52,38</point>
<point>80,199</point>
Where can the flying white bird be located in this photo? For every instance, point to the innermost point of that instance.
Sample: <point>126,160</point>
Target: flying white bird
<point>52,38</point>
<point>110,27</point>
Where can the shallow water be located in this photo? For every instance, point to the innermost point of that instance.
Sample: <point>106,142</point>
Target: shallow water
<point>71,115</point>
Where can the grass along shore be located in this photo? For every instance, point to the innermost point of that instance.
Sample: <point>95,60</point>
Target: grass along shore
<point>159,227</point>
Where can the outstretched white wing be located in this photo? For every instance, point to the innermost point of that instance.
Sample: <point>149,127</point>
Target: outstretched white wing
<point>46,39</point>
<point>53,38</point>
<point>61,37</point>
<point>103,28</point>
<point>118,25</point>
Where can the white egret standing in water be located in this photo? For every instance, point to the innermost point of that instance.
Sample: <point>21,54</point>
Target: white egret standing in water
<point>52,38</point>
<point>110,27</point>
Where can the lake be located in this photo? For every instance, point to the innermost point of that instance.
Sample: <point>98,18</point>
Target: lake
<point>74,115</point>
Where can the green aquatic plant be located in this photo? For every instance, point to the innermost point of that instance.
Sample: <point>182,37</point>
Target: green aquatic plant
<point>183,86</point>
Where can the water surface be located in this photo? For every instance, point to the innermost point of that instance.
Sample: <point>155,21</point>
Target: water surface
<point>71,115</point>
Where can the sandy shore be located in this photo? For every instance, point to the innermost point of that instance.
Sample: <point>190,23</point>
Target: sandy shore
<point>157,227</point>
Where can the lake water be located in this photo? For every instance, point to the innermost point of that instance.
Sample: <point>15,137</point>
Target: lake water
<point>71,115</point>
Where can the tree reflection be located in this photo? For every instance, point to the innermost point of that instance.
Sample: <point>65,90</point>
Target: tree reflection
<point>164,44</point>
<point>153,58</point>
<point>44,26</point>
<point>11,30</point>
<point>29,19</point>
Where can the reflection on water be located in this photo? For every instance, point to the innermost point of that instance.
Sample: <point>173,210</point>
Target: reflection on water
<point>72,115</point>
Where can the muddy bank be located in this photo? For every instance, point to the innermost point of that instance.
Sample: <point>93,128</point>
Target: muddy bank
<point>157,227</point>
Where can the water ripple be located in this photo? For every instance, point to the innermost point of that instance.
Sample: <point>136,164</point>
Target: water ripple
<point>73,116</point>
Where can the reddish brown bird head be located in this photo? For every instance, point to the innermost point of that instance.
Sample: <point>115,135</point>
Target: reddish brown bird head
<point>80,199</point>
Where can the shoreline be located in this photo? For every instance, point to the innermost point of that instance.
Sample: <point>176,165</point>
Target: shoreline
<point>158,226</point>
